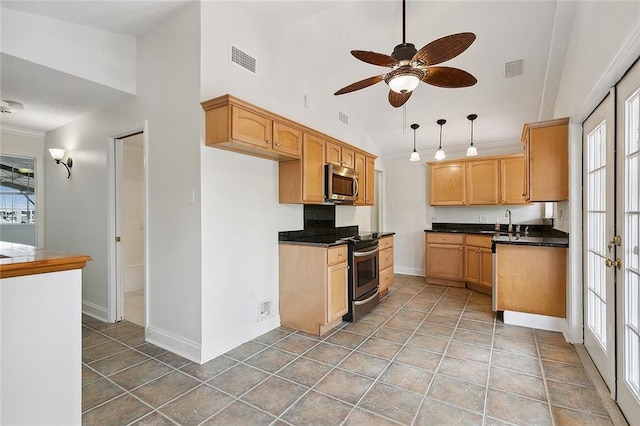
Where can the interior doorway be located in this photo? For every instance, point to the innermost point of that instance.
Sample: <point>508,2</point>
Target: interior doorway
<point>130,228</point>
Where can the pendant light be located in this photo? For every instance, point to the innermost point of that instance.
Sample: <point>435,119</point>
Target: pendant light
<point>414,155</point>
<point>440,155</point>
<point>472,151</point>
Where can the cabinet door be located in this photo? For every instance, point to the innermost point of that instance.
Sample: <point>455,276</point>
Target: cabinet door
<point>251,128</point>
<point>370,179</point>
<point>287,139</point>
<point>512,181</point>
<point>348,157</point>
<point>472,262</point>
<point>447,185</point>
<point>334,154</point>
<point>482,182</point>
<point>312,169</point>
<point>445,261</point>
<point>336,291</point>
<point>486,262</point>
<point>361,167</point>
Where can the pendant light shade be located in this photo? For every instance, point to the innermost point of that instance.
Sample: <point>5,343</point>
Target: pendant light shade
<point>440,155</point>
<point>414,155</point>
<point>472,151</point>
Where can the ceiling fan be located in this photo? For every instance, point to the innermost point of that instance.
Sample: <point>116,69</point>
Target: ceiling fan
<point>410,66</point>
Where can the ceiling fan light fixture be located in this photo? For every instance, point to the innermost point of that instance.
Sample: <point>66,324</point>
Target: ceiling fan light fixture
<point>472,150</point>
<point>404,80</point>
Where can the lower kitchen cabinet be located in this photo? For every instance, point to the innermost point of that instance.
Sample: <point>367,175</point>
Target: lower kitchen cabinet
<point>531,279</point>
<point>385,270</point>
<point>313,287</point>
<point>444,258</point>
<point>478,263</point>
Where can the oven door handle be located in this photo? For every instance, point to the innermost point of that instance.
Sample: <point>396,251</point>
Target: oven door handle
<point>365,253</point>
<point>369,299</point>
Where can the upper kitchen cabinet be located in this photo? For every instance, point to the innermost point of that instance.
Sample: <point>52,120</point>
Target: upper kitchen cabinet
<point>546,160</point>
<point>482,182</point>
<point>235,125</point>
<point>365,166</point>
<point>447,184</point>
<point>340,155</point>
<point>303,181</point>
<point>512,180</point>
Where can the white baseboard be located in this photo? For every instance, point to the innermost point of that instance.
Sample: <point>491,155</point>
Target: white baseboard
<point>176,344</point>
<point>216,348</point>
<point>418,272</point>
<point>95,311</point>
<point>542,322</point>
<point>201,354</point>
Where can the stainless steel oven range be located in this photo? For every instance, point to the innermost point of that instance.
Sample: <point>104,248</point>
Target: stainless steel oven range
<point>363,275</point>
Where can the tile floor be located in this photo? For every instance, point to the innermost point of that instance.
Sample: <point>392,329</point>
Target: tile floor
<point>427,355</point>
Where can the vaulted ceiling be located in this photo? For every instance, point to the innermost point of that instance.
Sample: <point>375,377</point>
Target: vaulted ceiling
<point>535,32</point>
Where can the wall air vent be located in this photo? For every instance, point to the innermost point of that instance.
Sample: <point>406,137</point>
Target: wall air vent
<point>343,118</point>
<point>243,59</point>
<point>513,68</point>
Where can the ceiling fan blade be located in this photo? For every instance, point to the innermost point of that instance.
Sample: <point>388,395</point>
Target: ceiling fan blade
<point>398,99</point>
<point>360,84</point>
<point>448,77</point>
<point>444,48</point>
<point>375,58</point>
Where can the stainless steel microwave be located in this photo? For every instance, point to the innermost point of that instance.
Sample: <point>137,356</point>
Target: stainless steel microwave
<point>341,184</point>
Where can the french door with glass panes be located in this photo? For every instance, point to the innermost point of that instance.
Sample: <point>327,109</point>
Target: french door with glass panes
<point>611,188</point>
<point>626,260</point>
<point>599,228</point>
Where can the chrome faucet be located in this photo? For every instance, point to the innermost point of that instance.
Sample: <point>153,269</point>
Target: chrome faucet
<point>508,214</point>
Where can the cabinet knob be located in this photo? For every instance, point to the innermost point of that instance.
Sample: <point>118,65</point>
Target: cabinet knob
<point>268,142</point>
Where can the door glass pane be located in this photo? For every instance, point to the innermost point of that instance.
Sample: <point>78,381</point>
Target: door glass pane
<point>596,245</point>
<point>630,244</point>
<point>17,200</point>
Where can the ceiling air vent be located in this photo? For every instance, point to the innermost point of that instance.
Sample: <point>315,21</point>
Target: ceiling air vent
<point>513,68</point>
<point>343,118</point>
<point>243,59</point>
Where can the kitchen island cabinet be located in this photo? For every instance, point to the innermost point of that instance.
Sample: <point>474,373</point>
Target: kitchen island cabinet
<point>313,286</point>
<point>444,258</point>
<point>531,279</point>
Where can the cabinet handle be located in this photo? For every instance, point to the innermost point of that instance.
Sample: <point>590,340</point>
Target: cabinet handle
<point>277,144</point>
<point>268,142</point>
<point>339,254</point>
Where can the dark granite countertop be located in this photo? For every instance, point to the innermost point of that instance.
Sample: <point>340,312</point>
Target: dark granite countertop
<point>538,235</point>
<point>324,237</point>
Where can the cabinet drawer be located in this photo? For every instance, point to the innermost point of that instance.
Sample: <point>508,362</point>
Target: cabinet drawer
<point>386,258</point>
<point>478,240</point>
<point>337,255</point>
<point>385,242</point>
<point>444,238</point>
<point>386,277</point>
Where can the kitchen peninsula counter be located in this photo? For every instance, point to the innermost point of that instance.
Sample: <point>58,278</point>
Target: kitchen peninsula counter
<point>40,307</point>
<point>18,260</point>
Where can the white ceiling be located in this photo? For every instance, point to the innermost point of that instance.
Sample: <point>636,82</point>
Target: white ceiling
<point>504,30</point>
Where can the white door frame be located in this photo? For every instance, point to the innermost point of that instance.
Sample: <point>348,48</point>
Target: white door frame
<point>115,311</point>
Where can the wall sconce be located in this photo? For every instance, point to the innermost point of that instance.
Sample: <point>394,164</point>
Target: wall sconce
<point>58,154</point>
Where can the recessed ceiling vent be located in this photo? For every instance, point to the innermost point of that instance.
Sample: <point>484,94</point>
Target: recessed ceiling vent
<point>513,68</point>
<point>343,118</point>
<point>243,59</point>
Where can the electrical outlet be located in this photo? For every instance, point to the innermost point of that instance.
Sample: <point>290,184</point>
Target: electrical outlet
<point>482,218</point>
<point>434,218</point>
